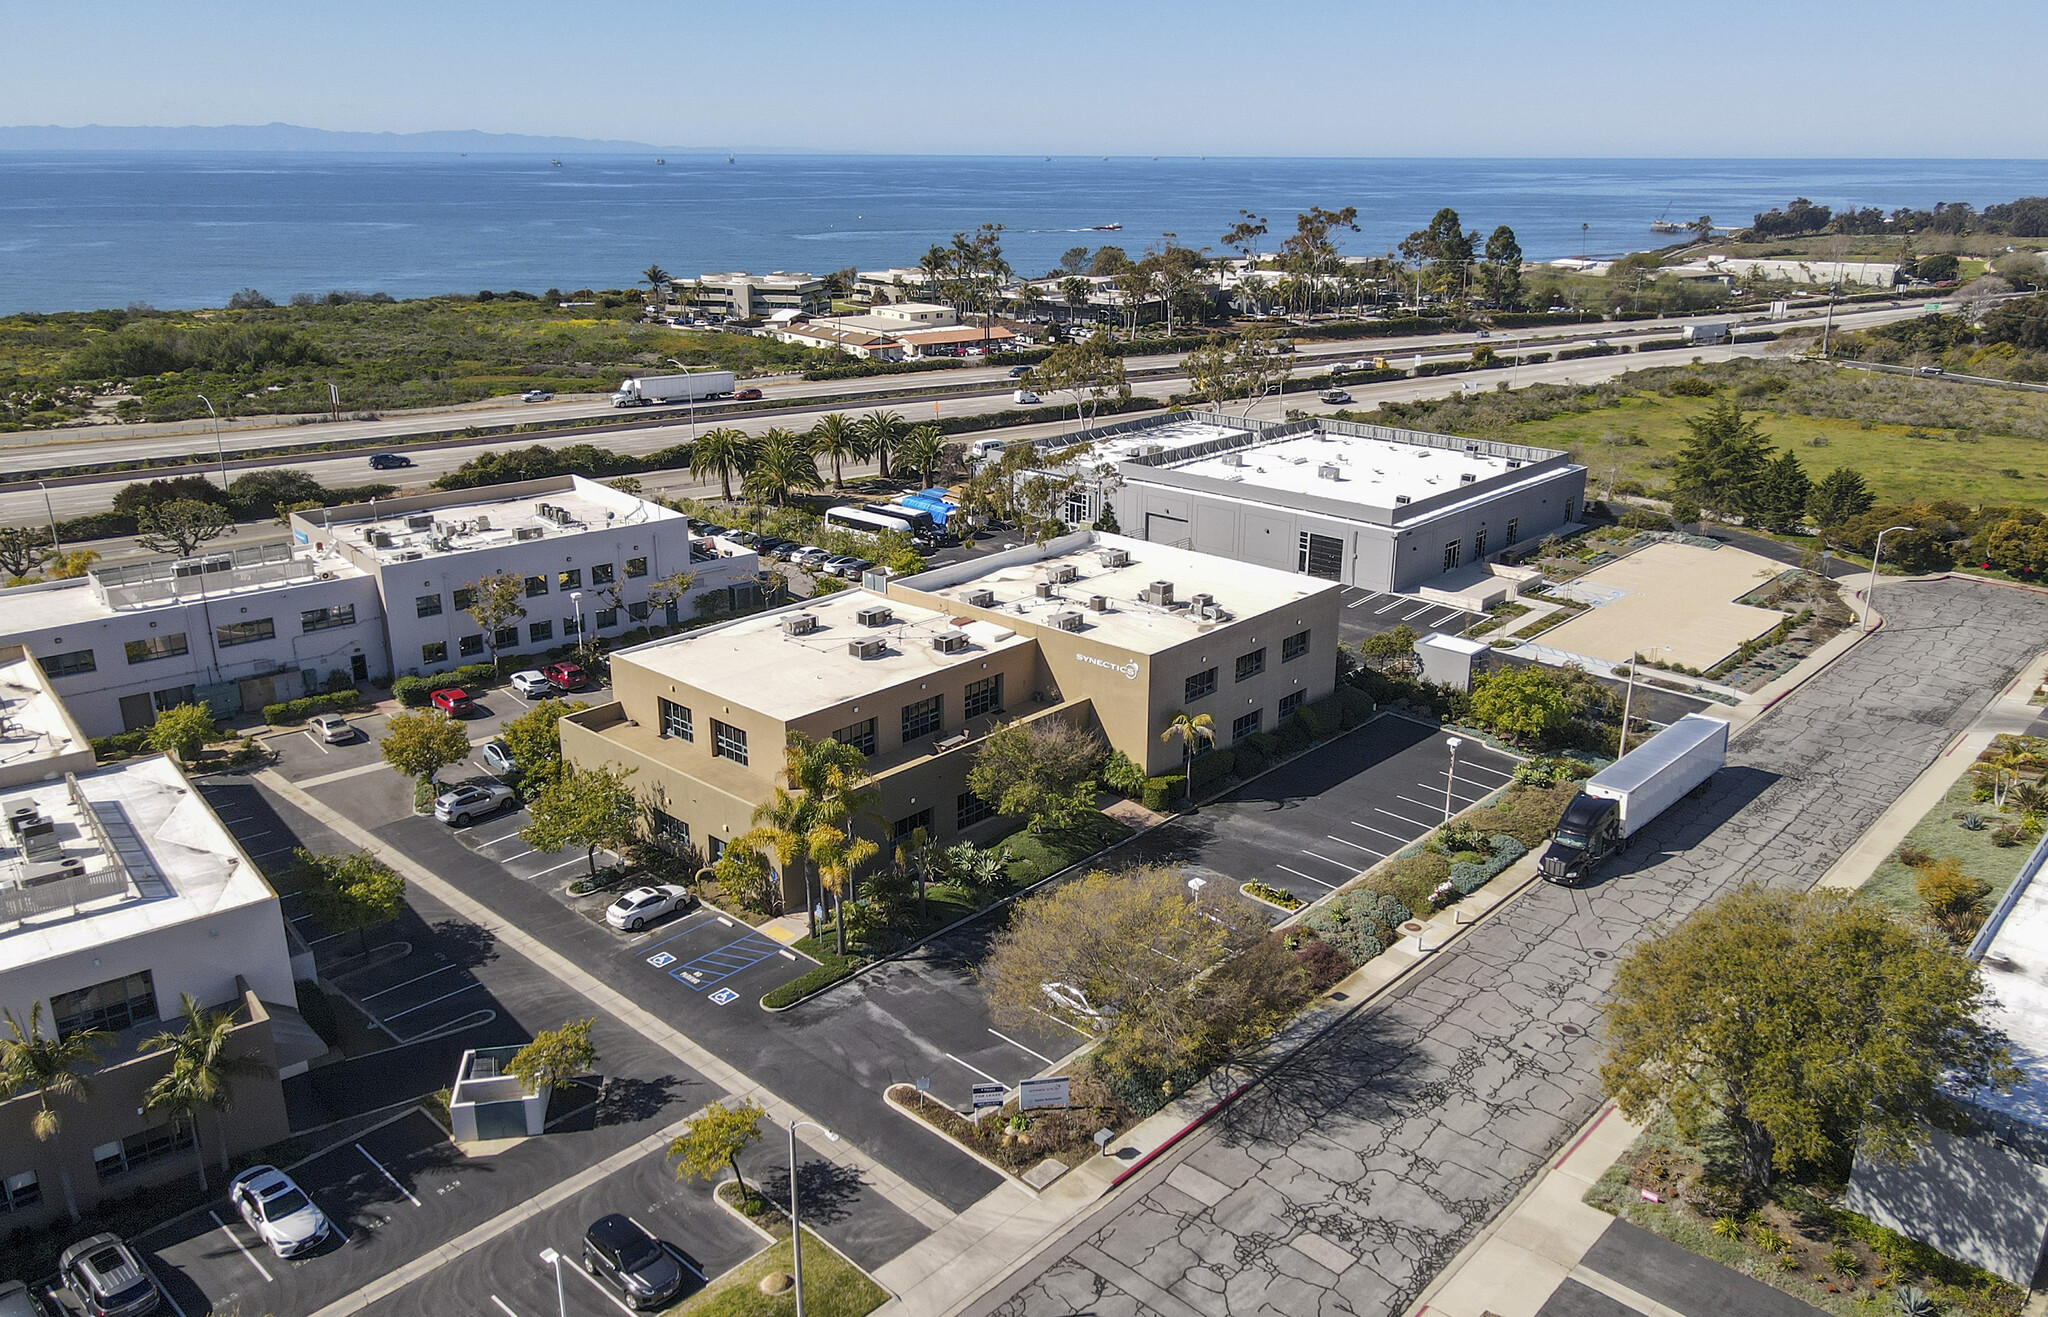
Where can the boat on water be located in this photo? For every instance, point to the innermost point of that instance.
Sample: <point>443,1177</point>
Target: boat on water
<point>661,160</point>
<point>555,164</point>
<point>1104,228</point>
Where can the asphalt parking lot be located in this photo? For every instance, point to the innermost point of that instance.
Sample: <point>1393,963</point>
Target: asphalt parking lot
<point>1362,613</point>
<point>1629,1270</point>
<point>1316,822</point>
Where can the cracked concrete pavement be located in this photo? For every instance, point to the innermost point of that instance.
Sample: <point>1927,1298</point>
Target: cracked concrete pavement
<point>1345,1181</point>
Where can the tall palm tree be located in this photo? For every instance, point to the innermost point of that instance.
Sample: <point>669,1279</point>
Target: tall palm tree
<point>724,452</point>
<point>655,277</point>
<point>839,852</point>
<point>1188,729</point>
<point>825,785</point>
<point>51,1067</point>
<point>835,436</point>
<point>783,466</point>
<point>200,1073</point>
<point>923,450</point>
<point>881,431</point>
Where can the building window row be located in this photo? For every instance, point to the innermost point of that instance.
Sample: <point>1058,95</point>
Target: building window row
<point>1290,702</point>
<point>537,632</point>
<point>1294,647</point>
<point>76,663</point>
<point>1248,725</point>
<point>465,598</point>
<point>112,1006</point>
<point>1251,665</point>
<point>326,619</point>
<point>1454,553</point>
<point>861,736</point>
<point>470,646</point>
<point>728,742</point>
<point>1200,686</point>
<point>675,720</point>
<point>428,605</point>
<point>910,823</point>
<point>924,718</point>
<point>245,633</point>
<point>434,651</point>
<point>984,696</point>
<point>971,809</point>
<point>151,648</point>
<point>139,1150</point>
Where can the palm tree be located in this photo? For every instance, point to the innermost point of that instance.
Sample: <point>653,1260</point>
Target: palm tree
<point>724,452</point>
<point>51,1067</point>
<point>923,450</point>
<point>826,785</point>
<point>783,467</point>
<point>1189,728</point>
<point>654,277</point>
<point>839,852</point>
<point>1074,289</point>
<point>199,1073</point>
<point>835,436</point>
<point>882,431</point>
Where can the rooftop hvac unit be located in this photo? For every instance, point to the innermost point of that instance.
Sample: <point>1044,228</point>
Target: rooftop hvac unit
<point>1159,593</point>
<point>1233,459</point>
<point>1399,499</point>
<point>545,511</point>
<point>1066,621</point>
<point>419,521</point>
<point>981,599</point>
<point>1151,450</point>
<point>874,616</point>
<point>871,648</point>
<point>1062,574</point>
<point>19,812</point>
<point>1471,448</point>
<point>1512,464</point>
<point>1328,473</point>
<point>527,533</point>
<point>1116,557</point>
<point>1468,479</point>
<point>1043,589</point>
<point>411,555</point>
<point>799,624</point>
<point>380,540</point>
<point>950,642</point>
<point>52,871</point>
<point>482,522</point>
<point>1203,600</point>
<point>39,839</point>
<point>1098,603</point>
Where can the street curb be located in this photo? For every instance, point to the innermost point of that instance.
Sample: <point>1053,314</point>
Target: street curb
<point>930,1128</point>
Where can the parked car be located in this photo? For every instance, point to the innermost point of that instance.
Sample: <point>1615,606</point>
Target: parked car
<point>860,567</point>
<point>532,683</point>
<point>619,1252</point>
<point>565,676</point>
<point>18,1300</point>
<point>810,557</point>
<point>454,701</point>
<point>1334,396</point>
<point>643,905</point>
<point>106,1278</point>
<point>773,547</point>
<point>837,564</point>
<point>1025,396</point>
<point>332,728</point>
<point>744,537</point>
<point>497,756</point>
<point>277,1210</point>
<point>473,800</point>
<point>697,526</point>
<point>747,395</point>
<point>537,395</point>
<point>388,461</point>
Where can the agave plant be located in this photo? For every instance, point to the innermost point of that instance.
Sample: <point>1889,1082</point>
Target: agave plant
<point>1912,1301</point>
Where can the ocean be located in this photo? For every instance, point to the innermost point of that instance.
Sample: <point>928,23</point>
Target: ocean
<point>81,230</point>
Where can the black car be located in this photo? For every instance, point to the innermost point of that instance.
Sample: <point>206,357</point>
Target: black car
<point>774,547</point>
<point>616,1250</point>
<point>388,461</point>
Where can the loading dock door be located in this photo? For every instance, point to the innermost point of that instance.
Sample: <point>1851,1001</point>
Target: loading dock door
<point>1321,556</point>
<point>1162,529</point>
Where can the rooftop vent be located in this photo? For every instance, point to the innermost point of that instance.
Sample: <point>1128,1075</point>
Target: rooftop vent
<point>1468,479</point>
<point>1159,593</point>
<point>1098,603</point>
<point>873,647</point>
<point>1062,574</point>
<point>1115,557</point>
<point>1233,459</point>
<point>1043,589</point>
<point>950,642</point>
<point>1513,464</point>
<point>1066,621</point>
<point>875,615</point>
<point>981,599</point>
<point>379,540</point>
<point>799,624</point>
<point>411,555</point>
<point>482,522</point>
<point>1399,499</point>
<point>527,533</point>
<point>1327,472</point>
<point>419,521</point>
<point>1203,600</point>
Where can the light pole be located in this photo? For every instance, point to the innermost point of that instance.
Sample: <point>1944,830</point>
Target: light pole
<point>576,604</point>
<point>690,397</point>
<point>796,1230</point>
<point>1870,592</point>
<point>219,451</point>
<point>1450,781</point>
<point>56,545</point>
<point>1515,371</point>
<point>554,1259</point>
<point>1628,701</point>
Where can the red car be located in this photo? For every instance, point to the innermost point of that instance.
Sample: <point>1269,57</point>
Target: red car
<point>564,676</point>
<point>454,702</point>
<point>747,395</point>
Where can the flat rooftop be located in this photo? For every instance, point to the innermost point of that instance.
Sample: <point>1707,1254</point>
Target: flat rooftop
<point>1236,590</point>
<point>1357,469</point>
<point>2015,968</point>
<point>37,734</point>
<point>488,520</point>
<point>755,662</point>
<point>143,851</point>
<point>1122,443</point>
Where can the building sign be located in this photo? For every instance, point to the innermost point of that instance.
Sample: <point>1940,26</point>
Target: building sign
<point>1053,1092</point>
<point>1129,670</point>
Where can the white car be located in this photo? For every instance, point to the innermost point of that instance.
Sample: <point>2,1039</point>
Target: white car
<point>537,395</point>
<point>277,1210</point>
<point>643,905</point>
<point>474,800</point>
<point>533,684</point>
<point>333,729</point>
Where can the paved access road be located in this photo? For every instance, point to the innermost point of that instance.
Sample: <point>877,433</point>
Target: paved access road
<point>1347,1180</point>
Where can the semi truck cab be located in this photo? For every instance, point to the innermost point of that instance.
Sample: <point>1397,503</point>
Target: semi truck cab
<point>1588,832</point>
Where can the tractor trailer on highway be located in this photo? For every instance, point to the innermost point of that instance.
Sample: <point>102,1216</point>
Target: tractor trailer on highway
<point>651,390</point>
<point>1620,800</point>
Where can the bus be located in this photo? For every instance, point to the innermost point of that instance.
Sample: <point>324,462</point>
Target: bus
<point>914,520</point>
<point>858,521</point>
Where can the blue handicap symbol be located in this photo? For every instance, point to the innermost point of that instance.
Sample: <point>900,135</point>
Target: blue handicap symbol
<point>725,997</point>
<point>660,959</point>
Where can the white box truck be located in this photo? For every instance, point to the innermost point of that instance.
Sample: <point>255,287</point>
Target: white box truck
<point>1716,332</point>
<point>1620,800</point>
<point>651,390</point>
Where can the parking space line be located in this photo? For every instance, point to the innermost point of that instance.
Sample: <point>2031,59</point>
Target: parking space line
<point>317,742</point>
<point>495,840</point>
<point>414,979</point>
<point>721,963</point>
<point>1431,804</point>
<point>386,1174</point>
<point>1362,601</point>
<point>545,872</point>
<point>264,833</point>
<point>1393,602</point>
<point>1311,877</point>
<point>1345,865</point>
<point>516,855</point>
<point>1418,612</point>
<point>675,1253</point>
<point>503,1306</point>
<point>1380,831</point>
<point>1352,844</point>
<point>581,1270</point>
<point>232,1239</point>
<point>1020,1047</point>
<point>1482,768</point>
<point>976,1069</point>
<point>1410,822</point>
<point>423,1005</point>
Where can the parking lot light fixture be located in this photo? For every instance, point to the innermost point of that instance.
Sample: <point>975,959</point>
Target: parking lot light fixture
<point>1628,700</point>
<point>796,1230</point>
<point>1451,780</point>
<point>1870,591</point>
<point>549,1257</point>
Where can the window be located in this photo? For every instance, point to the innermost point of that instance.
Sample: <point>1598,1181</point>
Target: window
<point>669,830</point>
<point>20,1191</point>
<point>170,697</point>
<point>465,598</point>
<point>1454,553</point>
<point>1567,509</point>
<point>427,605</point>
<point>601,574</point>
<point>112,1006</point>
<point>536,586</point>
<point>1294,647</point>
<point>505,635</point>
<point>675,720</point>
<point>152,648</point>
<point>984,696</point>
<point>1320,555</point>
<point>911,823</point>
<point>572,625</point>
<point>470,646</point>
<point>139,1150</point>
<point>1290,702</point>
<point>728,742</point>
<point>244,633</point>
<point>75,663</point>
<point>1251,665</point>
<point>638,611</point>
<point>922,718</point>
<point>537,632</point>
<point>1514,530</point>
<point>972,809</point>
<point>325,619</point>
<point>1200,686</point>
<point>861,736</point>
<point>606,618</point>
<point>1246,726</point>
<point>570,578</point>
<point>1479,544</point>
<point>435,651</point>
<point>636,567</point>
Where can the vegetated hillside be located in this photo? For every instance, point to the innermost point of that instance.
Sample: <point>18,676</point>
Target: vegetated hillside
<point>2010,342</point>
<point>1913,440</point>
<point>145,364</point>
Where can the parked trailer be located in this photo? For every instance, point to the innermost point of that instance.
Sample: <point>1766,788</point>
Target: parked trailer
<point>651,390</point>
<point>1621,799</point>
<point>1716,332</point>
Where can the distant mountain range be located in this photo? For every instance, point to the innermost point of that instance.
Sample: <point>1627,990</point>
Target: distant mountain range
<point>292,137</point>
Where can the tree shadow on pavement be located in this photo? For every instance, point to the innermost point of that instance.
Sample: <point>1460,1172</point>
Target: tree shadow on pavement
<point>465,943</point>
<point>829,1190</point>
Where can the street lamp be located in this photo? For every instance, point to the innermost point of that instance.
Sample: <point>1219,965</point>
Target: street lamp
<point>553,1259</point>
<point>1870,592</point>
<point>1454,742</point>
<point>690,398</point>
<point>796,1231</point>
<point>56,545</point>
<point>1628,700</point>
<point>576,604</point>
<point>217,449</point>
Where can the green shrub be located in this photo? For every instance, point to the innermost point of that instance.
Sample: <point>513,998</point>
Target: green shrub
<point>413,692</point>
<point>1692,386</point>
<point>834,969</point>
<point>1161,792</point>
<point>121,745</point>
<point>1644,519</point>
<point>1279,896</point>
<point>1323,718</point>
<point>1295,736</point>
<point>1121,774</point>
<point>1354,704</point>
<point>1251,760</point>
<point>1209,768</point>
<point>287,712</point>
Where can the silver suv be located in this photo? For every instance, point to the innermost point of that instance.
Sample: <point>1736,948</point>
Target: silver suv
<point>107,1279</point>
<point>473,801</point>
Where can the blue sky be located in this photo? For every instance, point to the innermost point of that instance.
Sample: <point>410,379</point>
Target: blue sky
<point>1191,77</point>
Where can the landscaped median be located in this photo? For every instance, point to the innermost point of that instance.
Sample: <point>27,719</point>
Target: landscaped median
<point>1020,1143</point>
<point>833,1286</point>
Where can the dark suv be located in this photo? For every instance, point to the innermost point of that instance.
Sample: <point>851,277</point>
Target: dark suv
<point>617,1251</point>
<point>107,1279</point>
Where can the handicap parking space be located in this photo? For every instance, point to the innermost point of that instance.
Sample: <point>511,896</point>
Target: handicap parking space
<point>715,958</point>
<point>1362,613</point>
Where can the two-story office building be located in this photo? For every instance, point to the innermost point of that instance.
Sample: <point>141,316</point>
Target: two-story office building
<point>742,296</point>
<point>1103,631</point>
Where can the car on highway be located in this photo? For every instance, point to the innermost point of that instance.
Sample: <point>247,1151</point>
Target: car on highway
<point>566,677</point>
<point>1025,396</point>
<point>278,1210</point>
<point>388,461</point>
<point>618,1252</point>
<point>1018,372</point>
<point>1334,396</point>
<point>473,800</point>
<point>332,728</point>
<point>643,905</point>
<point>454,701</point>
<point>497,757</point>
<point>532,683</point>
<point>18,1300</point>
<point>537,395</point>
<point>106,1279</point>
<point>1484,333</point>
<point>747,395</point>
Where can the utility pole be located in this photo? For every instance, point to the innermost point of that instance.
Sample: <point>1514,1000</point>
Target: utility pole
<point>1828,329</point>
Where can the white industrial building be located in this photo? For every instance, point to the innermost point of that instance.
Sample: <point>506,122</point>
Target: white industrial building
<point>742,296</point>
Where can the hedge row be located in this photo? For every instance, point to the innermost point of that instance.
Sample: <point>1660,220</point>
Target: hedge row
<point>1596,350</point>
<point>286,712</point>
<point>830,972</point>
<point>1446,368</point>
<point>1161,792</point>
<point>858,369</point>
<point>415,692</point>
